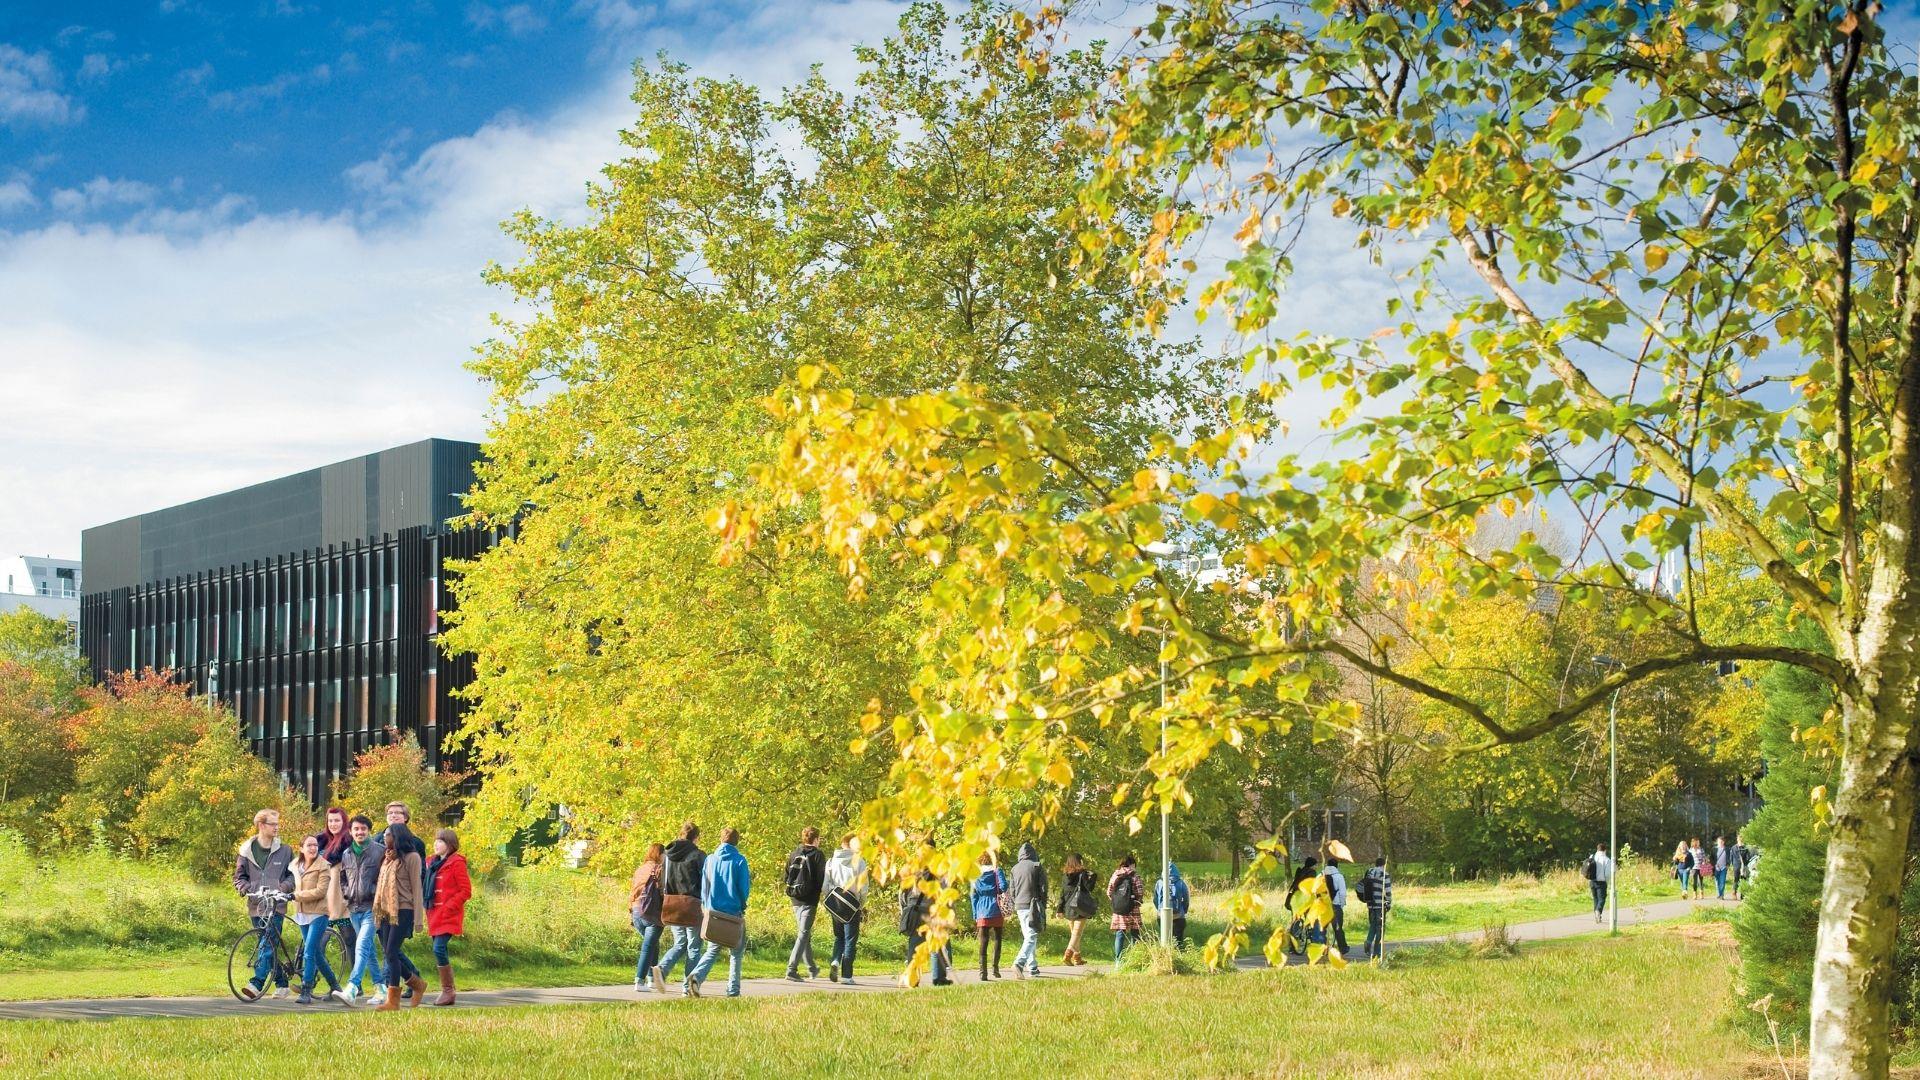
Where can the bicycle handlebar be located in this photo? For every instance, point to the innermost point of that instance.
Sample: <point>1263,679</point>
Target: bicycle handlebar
<point>268,894</point>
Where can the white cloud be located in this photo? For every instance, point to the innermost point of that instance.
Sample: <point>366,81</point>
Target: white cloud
<point>30,90</point>
<point>180,352</point>
<point>248,97</point>
<point>101,193</point>
<point>516,19</point>
<point>17,194</point>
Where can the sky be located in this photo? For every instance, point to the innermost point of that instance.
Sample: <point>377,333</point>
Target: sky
<point>241,239</point>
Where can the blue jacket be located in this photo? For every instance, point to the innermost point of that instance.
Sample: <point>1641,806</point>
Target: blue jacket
<point>1182,897</point>
<point>725,881</point>
<point>986,893</point>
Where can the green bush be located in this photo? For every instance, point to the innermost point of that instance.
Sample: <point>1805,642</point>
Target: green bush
<point>127,727</point>
<point>398,772</point>
<point>202,808</point>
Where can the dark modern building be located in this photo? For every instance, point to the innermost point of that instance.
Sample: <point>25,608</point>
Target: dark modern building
<point>310,605</point>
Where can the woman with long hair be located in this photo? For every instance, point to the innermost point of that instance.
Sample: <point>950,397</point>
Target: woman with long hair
<point>445,889</point>
<point>396,907</point>
<point>333,835</point>
<point>1683,868</point>
<point>1077,904</point>
<point>1125,894</point>
<point>313,885</point>
<point>644,901</point>
<point>988,888</point>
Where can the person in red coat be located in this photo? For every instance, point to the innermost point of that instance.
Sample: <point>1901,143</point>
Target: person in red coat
<point>447,889</point>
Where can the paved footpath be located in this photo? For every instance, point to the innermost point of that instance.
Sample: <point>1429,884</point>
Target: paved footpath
<point>878,981</point>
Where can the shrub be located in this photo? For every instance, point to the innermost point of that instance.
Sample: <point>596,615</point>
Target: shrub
<point>36,769</point>
<point>203,806</point>
<point>1145,957</point>
<point>397,772</point>
<point>125,729</point>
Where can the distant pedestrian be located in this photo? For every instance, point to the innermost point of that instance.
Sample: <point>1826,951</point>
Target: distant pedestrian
<point>1683,869</point>
<point>845,901</point>
<point>1295,901</point>
<point>725,885</point>
<point>1030,908</point>
<point>1337,893</point>
<point>396,909</point>
<point>264,864</point>
<point>916,904</point>
<point>1599,874</point>
<point>644,899</point>
<point>1701,867</point>
<point>1739,863</point>
<point>680,903</point>
<point>1176,906</point>
<point>1721,862</point>
<point>989,916</point>
<point>806,876</point>
<point>1124,896</point>
<point>1078,903</point>
<point>445,888</point>
<point>313,885</point>
<point>1376,891</point>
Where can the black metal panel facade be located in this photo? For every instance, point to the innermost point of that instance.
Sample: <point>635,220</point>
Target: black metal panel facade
<point>319,649</point>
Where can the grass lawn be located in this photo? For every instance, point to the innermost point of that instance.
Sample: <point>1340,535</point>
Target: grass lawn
<point>1651,1003</point>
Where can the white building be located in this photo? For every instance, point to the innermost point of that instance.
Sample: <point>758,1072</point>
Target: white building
<point>47,585</point>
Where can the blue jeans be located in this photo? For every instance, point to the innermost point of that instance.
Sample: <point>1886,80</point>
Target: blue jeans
<point>686,946</point>
<point>263,958</point>
<point>846,935</point>
<point>649,948</point>
<point>1720,884</point>
<point>735,956</point>
<point>1376,933</point>
<point>440,949</point>
<point>1029,954</point>
<point>313,955</point>
<point>366,951</point>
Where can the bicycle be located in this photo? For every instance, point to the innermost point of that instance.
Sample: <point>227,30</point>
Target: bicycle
<point>288,955</point>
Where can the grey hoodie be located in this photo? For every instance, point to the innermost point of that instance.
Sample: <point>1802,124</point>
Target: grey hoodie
<point>1029,880</point>
<point>848,871</point>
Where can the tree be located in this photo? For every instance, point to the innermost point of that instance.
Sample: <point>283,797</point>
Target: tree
<point>201,799</point>
<point>1650,318</point>
<point>36,769</point>
<point>916,237</point>
<point>125,730</point>
<point>397,771</point>
<point>43,644</point>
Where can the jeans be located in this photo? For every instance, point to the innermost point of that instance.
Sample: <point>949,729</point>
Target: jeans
<point>846,935</point>
<point>803,915</point>
<point>1029,955</point>
<point>649,948</point>
<point>1376,943</point>
<point>937,959</point>
<point>1122,939</point>
<point>1599,897</point>
<point>393,936</point>
<point>1340,928</point>
<point>734,957</point>
<point>366,956</point>
<point>686,946</point>
<point>1720,883</point>
<point>263,958</point>
<point>313,944</point>
<point>1180,931</point>
<point>440,949</point>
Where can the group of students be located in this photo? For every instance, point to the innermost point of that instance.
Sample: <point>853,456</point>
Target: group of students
<point>1375,889</point>
<point>372,889</point>
<point>1726,864</point>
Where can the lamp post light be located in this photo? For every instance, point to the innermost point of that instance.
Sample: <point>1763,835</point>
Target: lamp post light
<point>1613,799</point>
<point>1159,551</point>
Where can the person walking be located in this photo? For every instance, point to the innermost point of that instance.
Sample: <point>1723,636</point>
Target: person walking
<point>806,877</point>
<point>263,863</point>
<point>1077,904</point>
<point>914,908</point>
<point>1683,869</point>
<point>1599,873</point>
<point>1738,861</point>
<point>396,907</point>
<point>445,889</point>
<point>1376,891</point>
<point>1720,865</point>
<point>313,887</point>
<point>359,875</point>
<point>1124,895</point>
<point>1337,892</point>
<point>1700,866</point>
<point>989,914</point>
<point>680,878</point>
<point>725,884</point>
<point>1308,869</point>
<point>643,906</point>
<point>846,877</point>
<point>1029,892</point>
<point>1181,900</point>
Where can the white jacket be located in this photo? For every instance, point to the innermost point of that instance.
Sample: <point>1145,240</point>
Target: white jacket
<point>848,871</point>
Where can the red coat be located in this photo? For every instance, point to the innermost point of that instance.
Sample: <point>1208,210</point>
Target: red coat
<point>451,890</point>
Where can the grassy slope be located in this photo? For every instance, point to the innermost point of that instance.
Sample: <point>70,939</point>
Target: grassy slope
<point>1579,1008</point>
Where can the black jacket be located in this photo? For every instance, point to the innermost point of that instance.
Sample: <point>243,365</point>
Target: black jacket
<point>814,877</point>
<point>685,861</point>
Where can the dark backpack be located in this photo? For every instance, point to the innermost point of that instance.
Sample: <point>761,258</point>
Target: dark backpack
<point>1367,887</point>
<point>911,906</point>
<point>799,876</point>
<point>1587,869</point>
<point>1121,895</point>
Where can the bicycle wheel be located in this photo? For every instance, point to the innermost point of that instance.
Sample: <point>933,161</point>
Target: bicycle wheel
<point>240,960</point>
<point>338,958</point>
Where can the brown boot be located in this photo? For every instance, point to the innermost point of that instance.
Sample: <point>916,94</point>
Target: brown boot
<point>419,987</point>
<point>446,986</point>
<point>392,1004</point>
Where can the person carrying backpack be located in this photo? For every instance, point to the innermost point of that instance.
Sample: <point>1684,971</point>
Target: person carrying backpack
<point>989,917</point>
<point>1376,891</point>
<point>680,902</point>
<point>805,878</point>
<point>1181,900</point>
<point>1737,865</point>
<point>1077,904</point>
<point>644,899</point>
<point>915,906</point>
<point>1124,895</point>
<point>1598,870</point>
<point>845,900</point>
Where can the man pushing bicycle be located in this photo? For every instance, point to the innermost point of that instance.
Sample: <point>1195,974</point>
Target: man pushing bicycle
<point>263,873</point>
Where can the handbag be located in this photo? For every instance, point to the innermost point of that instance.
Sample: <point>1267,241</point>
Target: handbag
<point>724,930</point>
<point>841,904</point>
<point>680,909</point>
<point>1003,900</point>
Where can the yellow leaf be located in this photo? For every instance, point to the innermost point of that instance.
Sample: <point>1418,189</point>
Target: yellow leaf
<point>809,374</point>
<point>1656,257</point>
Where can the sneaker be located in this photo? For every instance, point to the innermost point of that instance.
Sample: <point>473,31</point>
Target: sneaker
<point>250,992</point>
<point>342,996</point>
<point>813,973</point>
<point>639,985</point>
<point>282,993</point>
<point>379,992</point>
<point>733,993</point>
<point>848,981</point>
<point>305,998</point>
<point>659,981</point>
<point>833,976</point>
<point>943,982</point>
<point>794,976</point>
<point>693,989</point>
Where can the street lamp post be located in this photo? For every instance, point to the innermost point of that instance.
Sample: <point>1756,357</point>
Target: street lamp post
<point>1160,550</point>
<point>1613,798</point>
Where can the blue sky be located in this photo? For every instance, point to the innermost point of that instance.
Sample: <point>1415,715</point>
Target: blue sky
<point>241,239</point>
